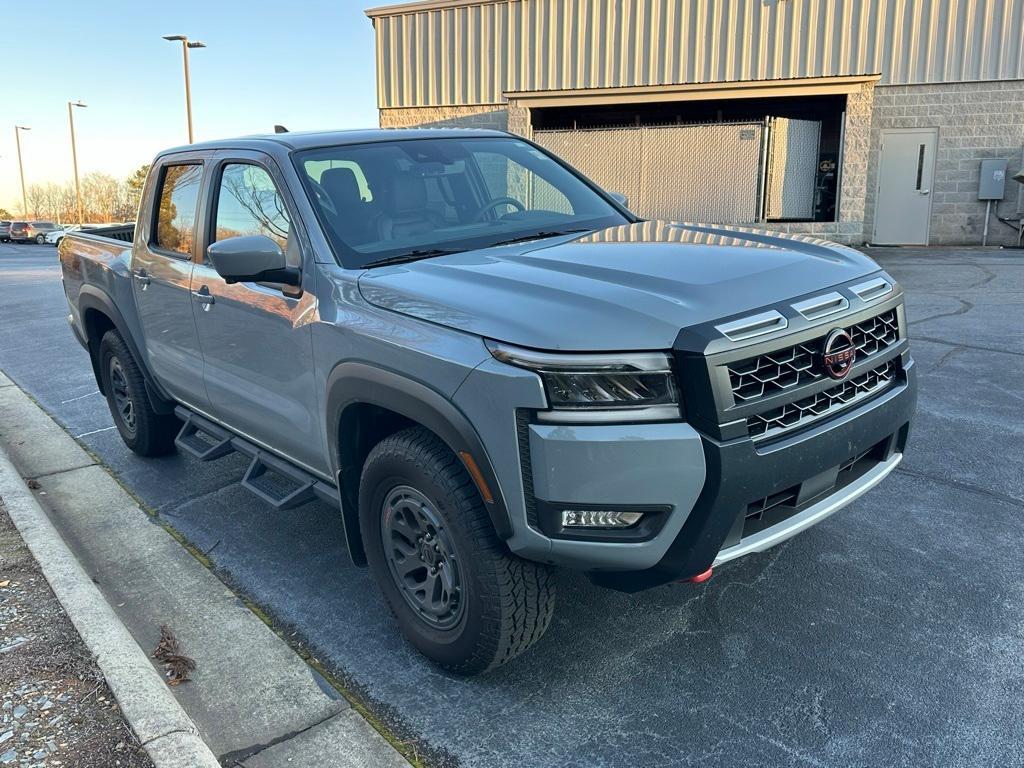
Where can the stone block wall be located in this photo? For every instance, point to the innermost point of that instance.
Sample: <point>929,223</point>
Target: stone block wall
<point>491,116</point>
<point>975,121</point>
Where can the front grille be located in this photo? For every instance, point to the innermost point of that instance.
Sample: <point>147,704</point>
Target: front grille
<point>757,509</point>
<point>802,412</point>
<point>774,372</point>
<point>771,510</point>
<point>876,333</point>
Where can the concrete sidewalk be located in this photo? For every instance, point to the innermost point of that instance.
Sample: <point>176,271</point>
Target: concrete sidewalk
<point>255,702</point>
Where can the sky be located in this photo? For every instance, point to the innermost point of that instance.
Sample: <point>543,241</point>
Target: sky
<point>304,65</point>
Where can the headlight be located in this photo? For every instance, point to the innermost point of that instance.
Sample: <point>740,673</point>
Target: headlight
<point>635,386</point>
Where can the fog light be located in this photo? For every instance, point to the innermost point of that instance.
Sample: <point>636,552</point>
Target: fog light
<point>599,518</point>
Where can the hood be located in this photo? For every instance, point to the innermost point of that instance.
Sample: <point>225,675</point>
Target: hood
<point>625,288</point>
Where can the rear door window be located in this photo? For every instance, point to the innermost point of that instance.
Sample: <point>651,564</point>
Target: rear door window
<point>176,215</point>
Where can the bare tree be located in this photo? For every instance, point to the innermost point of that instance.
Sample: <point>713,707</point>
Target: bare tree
<point>100,196</point>
<point>263,204</point>
<point>104,198</point>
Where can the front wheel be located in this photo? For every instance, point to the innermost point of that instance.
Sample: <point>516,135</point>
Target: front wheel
<point>456,591</point>
<point>143,430</point>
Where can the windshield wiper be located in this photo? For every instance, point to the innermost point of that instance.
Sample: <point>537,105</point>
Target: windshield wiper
<point>539,236</point>
<point>405,258</point>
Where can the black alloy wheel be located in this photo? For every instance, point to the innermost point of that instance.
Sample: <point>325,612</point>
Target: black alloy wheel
<point>422,558</point>
<point>122,397</point>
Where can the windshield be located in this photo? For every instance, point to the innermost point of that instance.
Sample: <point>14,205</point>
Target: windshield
<point>408,199</point>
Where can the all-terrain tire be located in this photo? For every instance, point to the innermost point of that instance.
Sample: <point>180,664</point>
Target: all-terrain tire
<point>143,430</point>
<point>506,602</point>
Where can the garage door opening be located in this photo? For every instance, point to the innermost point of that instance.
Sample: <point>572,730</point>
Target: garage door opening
<point>729,161</point>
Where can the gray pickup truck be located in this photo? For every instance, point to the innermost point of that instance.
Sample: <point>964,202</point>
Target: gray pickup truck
<point>490,366</point>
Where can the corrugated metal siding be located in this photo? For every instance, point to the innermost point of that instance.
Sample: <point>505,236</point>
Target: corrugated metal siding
<point>471,54</point>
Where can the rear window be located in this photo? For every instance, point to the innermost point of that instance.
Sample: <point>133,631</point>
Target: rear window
<point>176,216</point>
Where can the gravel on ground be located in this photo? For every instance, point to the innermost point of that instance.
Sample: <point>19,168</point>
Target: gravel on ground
<point>56,707</point>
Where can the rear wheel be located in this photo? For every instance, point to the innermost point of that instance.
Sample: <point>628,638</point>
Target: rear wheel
<point>145,431</point>
<point>40,239</point>
<point>456,591</point>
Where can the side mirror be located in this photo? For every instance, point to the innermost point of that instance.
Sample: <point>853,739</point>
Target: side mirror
<point>251,258</point>
<point>619,198</point>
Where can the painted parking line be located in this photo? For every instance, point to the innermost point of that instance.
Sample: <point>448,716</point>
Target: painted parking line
<point>94,432</point>
<point>80,397</point>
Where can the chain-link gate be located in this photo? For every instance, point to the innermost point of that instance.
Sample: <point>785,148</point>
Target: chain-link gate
<point>729,173</point>
<point>794,149</point>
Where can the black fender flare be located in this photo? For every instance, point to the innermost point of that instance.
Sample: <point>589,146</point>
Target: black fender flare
<point>355,383</point>
<point>93,298</point>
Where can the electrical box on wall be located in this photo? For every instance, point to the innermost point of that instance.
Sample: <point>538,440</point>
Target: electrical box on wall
<point>992,185</point>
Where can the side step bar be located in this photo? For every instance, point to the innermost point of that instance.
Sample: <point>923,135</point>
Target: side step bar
<point>206,442</point>
<point>276,481</point>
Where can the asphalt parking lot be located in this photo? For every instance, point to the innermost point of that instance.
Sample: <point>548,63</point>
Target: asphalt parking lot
<point>892,634</point>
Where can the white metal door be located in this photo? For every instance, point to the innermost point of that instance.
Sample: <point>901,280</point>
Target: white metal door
<point>903,203</point>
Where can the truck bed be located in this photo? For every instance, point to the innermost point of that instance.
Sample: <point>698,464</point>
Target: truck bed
<point>123,232</point>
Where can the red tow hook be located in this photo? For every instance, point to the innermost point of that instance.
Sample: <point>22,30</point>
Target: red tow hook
<point>700,578</point>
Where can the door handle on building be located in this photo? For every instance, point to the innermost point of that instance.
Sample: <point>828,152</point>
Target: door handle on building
<point>203,297</point>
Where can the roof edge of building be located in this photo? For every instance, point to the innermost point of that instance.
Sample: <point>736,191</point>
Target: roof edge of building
<point>418,6</point>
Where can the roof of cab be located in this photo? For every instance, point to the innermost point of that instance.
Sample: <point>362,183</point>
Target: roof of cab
<point>311,139</point>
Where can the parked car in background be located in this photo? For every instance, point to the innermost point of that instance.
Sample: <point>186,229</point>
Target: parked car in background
<point>5,231</point>
<point>54,238</point>
<point>26,231</point>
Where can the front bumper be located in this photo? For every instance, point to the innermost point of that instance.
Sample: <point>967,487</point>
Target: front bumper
<point>817,471</point>
<point>707,485</point>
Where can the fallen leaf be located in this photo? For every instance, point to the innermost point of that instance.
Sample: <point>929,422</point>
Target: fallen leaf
<point>168,650</point>
<point>4,583</point>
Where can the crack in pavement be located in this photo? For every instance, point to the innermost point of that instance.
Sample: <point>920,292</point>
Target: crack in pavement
<point>186,731</point>
<point>53,472</point>
<point>989,277</point>
<point>1005,498</point>
<point>975,347</point>
<point>174,503</point>
<point>947,357</point>
<point>237,758</point>
<point>965,307</point>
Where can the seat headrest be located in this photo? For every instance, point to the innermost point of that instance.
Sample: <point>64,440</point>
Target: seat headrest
<point>408,193</point>
<point>341,185</point>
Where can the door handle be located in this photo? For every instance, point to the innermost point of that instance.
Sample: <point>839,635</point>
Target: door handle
<point>925,191</point>
<point>143,277</point>
<point>203,297</point>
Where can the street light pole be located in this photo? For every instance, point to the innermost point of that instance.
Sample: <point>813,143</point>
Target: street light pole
<point>74,158</point>
<point>21,168</point>
<point>185,45</point>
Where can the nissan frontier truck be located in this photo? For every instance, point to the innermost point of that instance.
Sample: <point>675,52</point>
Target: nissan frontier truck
<point>490,367</point>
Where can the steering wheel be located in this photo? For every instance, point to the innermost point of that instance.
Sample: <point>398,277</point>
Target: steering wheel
<point>322,197</point>
<point>498,201</point>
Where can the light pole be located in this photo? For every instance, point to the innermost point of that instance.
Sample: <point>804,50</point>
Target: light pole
<point>74,157</point>
<point>21,168</point>
<point>185,45</point>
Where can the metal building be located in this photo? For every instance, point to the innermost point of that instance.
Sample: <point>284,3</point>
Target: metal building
<point>857,120</point>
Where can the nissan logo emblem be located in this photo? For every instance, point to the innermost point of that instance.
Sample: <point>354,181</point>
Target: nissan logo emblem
<point>839,354</point>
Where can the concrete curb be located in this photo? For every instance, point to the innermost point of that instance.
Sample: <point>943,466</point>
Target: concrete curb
<point>166,732</point>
